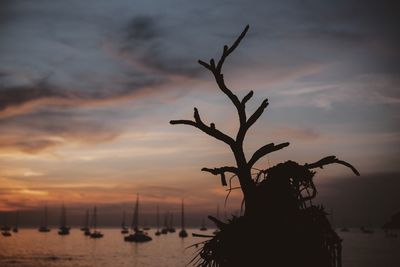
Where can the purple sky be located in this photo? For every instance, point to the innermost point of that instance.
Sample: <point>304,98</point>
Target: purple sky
<point>87,89</point>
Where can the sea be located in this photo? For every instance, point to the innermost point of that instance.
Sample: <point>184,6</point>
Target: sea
<point>29,248</point>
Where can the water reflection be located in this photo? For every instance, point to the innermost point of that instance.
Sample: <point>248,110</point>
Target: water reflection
<point>29,248</point>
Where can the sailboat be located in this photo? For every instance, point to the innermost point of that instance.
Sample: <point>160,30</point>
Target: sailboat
<point>171,228</point>
<point>217,230</point>
<point>158,222</point>
<point>64,229</point>
<point>183,232</point>
<point>164,230</point>
<point>366,230</point>
<point>43,228</point>
<point>85,228</point>
<point>203,226</point>
<point>95,233</point>
<point>85,225</point>
<point>5,229</point>
<point>124,229</point>
<point>146,227</point>
<point>137,235</point>
<point>15,228</point>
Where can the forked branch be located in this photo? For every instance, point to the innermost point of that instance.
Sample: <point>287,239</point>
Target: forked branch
<point>210,130</point>
<point>219,77</point>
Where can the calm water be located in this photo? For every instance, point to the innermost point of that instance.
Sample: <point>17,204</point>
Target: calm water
<point>29,248</point>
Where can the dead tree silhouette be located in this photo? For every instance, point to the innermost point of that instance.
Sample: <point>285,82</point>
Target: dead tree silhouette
<point>280,225</point>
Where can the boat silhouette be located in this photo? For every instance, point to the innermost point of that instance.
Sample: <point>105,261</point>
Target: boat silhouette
<point>85,228</point>
<point>63,229</point>
<point>203,226</point>
<point>85,225</point>
<point>217,216</point>
<point>137,235</point>
<point>15,228</point>
<point>158,222</point>
<point>171,228</point>
<point>124,229</point>
<point>365,230</point>
<point>6,233</point>
<point>164,230</point>
<point>43,228</point>
<point>95,233</point>
<point>182,232</point>
<point>5,228</point>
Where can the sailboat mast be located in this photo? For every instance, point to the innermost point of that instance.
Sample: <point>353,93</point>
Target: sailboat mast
<point>45,216</point>
<point>158,219</point>
<point>63,219</point>
<point>171,220</point>
<point>166,215</point>
<point>95,218</point>
<point>16,219</point>
<point>87,219</point>
<point>183,216</point>
<point>135,219</point>
<point>123,220</point>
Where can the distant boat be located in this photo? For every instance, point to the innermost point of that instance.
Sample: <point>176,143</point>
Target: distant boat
<point>203,226</point>
<point>95,233</point>
<point>64,229</point>
<point>5,227</point>
<point>137,235</point>
<point>171,228</point>
<point>85,225</point>
<point>183,232</point>
<point>15,228</point>
<point>344,229</point>
<point>164,230</point>
<point>6,233</point>
<point>124,229</point>
<point>158,222</point>
<point>217,216</point>
<point>366,230</point>
<point>85,228</point>
<point>146,227</point>
<point>43,228</point>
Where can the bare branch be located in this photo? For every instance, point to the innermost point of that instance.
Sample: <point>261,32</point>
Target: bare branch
<point>210,130</point>
<point>247,98</point>
<point>219,77</point>
<point>221,171</point>
<point>205,65</point>
<point>253,118</point>
<point>227,50</point>
<point>187,122</point>
<point>330,160</point>
<point>261,152</point>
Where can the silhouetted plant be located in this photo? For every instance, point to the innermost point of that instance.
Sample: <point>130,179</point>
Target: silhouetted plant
<point>280,224</point>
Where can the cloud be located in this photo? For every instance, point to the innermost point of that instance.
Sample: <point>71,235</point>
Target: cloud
<point>154,47</point>
<point>47,129</point>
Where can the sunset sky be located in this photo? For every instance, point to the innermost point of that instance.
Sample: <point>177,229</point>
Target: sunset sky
<point>87,90</point>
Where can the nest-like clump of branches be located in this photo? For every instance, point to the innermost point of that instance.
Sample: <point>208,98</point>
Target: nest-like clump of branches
<point>289,229</point>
